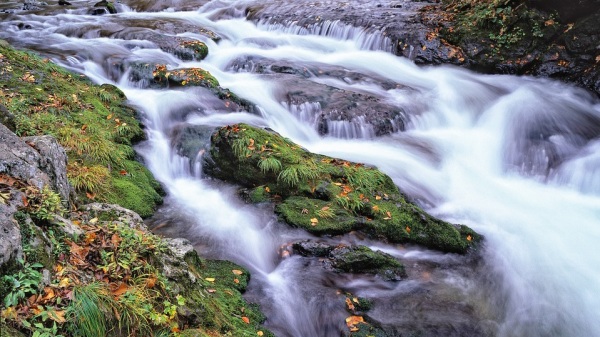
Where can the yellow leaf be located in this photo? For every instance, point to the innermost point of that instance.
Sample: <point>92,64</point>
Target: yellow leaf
<point>351,321</point>
<point>183,82</point>
<point>236,281</point>
<point>260,333</point>
<point>375,208</point>
<point>64,283</point>
<point>109,116</point>
<point>93,221</point>
<point>9,313</point>
<point>57,315</point>
<point>267,189</point>
<point>210,279</point>
<point>314,221</point>
<point>237,272</point>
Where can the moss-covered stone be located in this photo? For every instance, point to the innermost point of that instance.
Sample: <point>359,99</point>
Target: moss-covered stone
<point>326,195</point>
<point>191,50</point>
<point>93,124</point>
<point>362,259</point>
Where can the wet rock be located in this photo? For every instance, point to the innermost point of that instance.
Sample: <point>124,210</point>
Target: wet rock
<point>191,141</point>
<point>33,5</point>
<point>109,6</point>
<point>353,259</point>
<point>184,48</point>
<point>568,11</point>
<point>63,3</point>
<point>353,197</point>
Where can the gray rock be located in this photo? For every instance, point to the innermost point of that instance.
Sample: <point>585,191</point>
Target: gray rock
<point>10,234</point>
<point>67,226</point>
<point>179,247</point>
<point>7,118</point>
<point>115,214</point>
<point>53,161</point>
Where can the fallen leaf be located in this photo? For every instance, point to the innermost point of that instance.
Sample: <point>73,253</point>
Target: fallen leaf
<point>259,333</point>
<point>237,272</point>
<point>211,291</point>
<point>314,221</point>
<point>469,238</point>
<point>120,290</point>
<point>349,304</point>
<point>246,319</point>
<point>352,321</point>
<point>375,208</point>
<point>236,281</point>
<point>93,221</point>
<point>123,172</point>
<point>407,229</point>
<point>91,196</point>
<point>64,283</point>
<point>151,282</point>
<point>49,294</point>
<point>57,315</point>
<point>110,116</point>
<point>267,189</point>
<point>210,279</point>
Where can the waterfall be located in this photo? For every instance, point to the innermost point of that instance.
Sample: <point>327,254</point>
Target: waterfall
<point>515,158</point>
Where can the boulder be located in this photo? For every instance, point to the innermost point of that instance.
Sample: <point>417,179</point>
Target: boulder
<point>324,195</point>
<point>38,161</point>
<point>10,234</point>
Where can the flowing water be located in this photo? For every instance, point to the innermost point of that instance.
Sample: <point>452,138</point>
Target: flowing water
<point>517,159</point>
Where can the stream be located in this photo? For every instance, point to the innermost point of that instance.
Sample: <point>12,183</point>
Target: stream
<point>515,158</point>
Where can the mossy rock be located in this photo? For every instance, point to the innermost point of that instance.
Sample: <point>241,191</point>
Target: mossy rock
<point>362,259</point>
<point>93,123</point>
<point>325,195</point>
<point>191,50</point>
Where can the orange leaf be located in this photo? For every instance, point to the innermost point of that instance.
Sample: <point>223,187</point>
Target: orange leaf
<point>246,319</point>
<point>115,239</point>
<point>349,304</point>
<point>121,289</point>
<point>375,208</point>
<point>49,294</point>
<point>109,116</point>
<point>237,272</point>
<point>325,208</point>
<point>469,238</point>
<point>123,172</point>
<point>267,189</point>
<point>37,309</point>
<point>351,321</point>
<point>151,282</point>
<point>407,229</point>
<point>91,196</point>
<point>236,281</point>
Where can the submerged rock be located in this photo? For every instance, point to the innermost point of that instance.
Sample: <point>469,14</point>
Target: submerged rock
<point>325,195</point>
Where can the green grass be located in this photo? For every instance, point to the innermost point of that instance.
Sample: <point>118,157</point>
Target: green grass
<point>93,124</point>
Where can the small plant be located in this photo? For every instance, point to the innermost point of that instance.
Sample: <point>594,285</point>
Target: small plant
<point>44,204</point>
<point>267,164</point>
<point>88,178</point>
<point>325,213</point>
<point>22,284</point>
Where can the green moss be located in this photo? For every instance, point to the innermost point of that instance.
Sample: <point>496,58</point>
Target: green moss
<point>500,24</point>
<point>93,124</point>
<point>326,195</point>
<point>362,259</point>
<point>199,49</point>
<point>135,188</point>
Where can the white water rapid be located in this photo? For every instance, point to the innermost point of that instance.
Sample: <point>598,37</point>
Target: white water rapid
<point>517,159</point>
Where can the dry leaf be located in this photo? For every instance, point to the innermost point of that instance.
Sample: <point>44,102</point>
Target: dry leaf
<point>121,289</point>
<point>259,333</point>
<point>314,221</point>
<point>237,272</point>
<point>210,279</point>
<point>469,238</point>
<point>349,304</point>
<point>57,315</point>
<point>236,281</point>
<point>64,283</point>
<point>93,221</point>
<point>211,291</point>
<point>246,319</point>
<point>407,229</point>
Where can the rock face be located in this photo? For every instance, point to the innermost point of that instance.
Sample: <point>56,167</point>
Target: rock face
<point>324,195</point>
<point>38,161</point>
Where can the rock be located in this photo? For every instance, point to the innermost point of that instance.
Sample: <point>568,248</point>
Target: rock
<point>7,118</point>
<point>10,234</point>
<point>157,76</point>
<point>33,5</point>
<point>67,226</point>
<point>63,3</point>
<point>568,11</point>
<point>110,7</point>
<point>191,141</point>
<point>53,161</point>
<point>353,259</point>
<point>43,166</point>
<point>324,195</point>
<point>114,214</point>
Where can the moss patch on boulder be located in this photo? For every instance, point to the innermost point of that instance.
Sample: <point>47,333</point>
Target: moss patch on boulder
<point>93,124</point>
<point>326,195</point>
